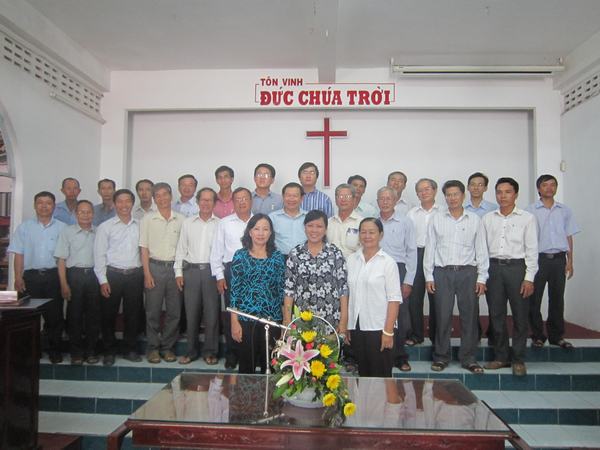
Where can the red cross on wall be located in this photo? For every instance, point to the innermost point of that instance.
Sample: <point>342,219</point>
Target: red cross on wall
<point>326,134</point>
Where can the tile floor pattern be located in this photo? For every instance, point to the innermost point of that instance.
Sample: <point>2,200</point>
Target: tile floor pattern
<point>573,408</point>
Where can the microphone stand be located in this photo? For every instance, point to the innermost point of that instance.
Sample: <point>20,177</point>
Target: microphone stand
<point>268,323</point>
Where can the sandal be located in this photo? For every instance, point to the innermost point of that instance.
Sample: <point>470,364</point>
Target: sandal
<point>437,366</point>
<point>410,342</point>
<point>474,368</point>
<point>185,360</point>
<point>405,367</point>
<point>211,360</point>
<point>537,343</point>
<point>566,345</point>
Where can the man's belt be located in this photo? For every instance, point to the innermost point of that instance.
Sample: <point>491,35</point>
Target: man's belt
<point>201,266</point>
<point>552,255</point>
<point>158,262</point>
<point>454,268</point>
<point>507,262</point>
<point>122,271</point>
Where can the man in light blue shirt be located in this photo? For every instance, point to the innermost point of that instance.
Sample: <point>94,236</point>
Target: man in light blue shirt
<point>363,208</point>
<point>65,211</point>
<point>288,223</point>
<point>264,200</point>
<point>556,227</point>
<point>33,245</point>
<point>186,205</point>
<point>477,185</point>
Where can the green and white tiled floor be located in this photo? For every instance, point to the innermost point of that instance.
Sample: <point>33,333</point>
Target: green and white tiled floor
<point>557,405</point>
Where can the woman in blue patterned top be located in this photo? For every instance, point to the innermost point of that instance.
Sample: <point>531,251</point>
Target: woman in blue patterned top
<point>257,274</point>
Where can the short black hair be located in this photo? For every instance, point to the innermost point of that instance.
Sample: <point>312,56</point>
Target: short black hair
<point>292,185</point>
<point>70,179</point>
<point>374,220</point>
<point>486,180</point>
<point>510,181</point>
<point>317,214</point>
<point>543,178</point>
<point>187,175</point>
<point>206,189</point>
<point>107,180</point>
<point>247,240</point>
<point>224,169</point>
<point>397,172</point>
<point>308,165</point>
<point>84,202</point>
<point>357,177</point>
<point>161,185</point>
<point>269,167</point>
<point>44,194</point>
<point>121,192</point>
<point>143,180</point>
<point>241,189</point>
<point>453,183</point>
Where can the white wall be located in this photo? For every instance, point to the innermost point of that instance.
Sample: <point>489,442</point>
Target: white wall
<point>580,129</point>
<point>47,141</point>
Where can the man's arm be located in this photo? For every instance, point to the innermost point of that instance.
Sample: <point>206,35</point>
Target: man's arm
<point>148,278</point>
<point>19,264</point>
<point>569,271</point>
<point>62,276</point>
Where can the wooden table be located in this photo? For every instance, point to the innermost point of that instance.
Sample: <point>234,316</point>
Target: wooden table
<point>237,411</point>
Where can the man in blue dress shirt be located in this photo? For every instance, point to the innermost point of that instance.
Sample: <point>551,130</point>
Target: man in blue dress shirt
<point>65,211</point>
<point>308,174</point>
<point>264,200</point>
<point>35,268</point>
<point>556,227</point>
<point>105,210</point>
<point>477,185</point>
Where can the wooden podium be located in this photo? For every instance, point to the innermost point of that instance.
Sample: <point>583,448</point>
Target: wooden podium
<point>20,374</point>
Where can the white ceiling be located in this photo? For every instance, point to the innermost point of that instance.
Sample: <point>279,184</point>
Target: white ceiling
<point>217,34</point>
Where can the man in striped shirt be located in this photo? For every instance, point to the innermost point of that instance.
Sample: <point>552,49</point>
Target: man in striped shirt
<point>308,173</point>
<point>456,265</point>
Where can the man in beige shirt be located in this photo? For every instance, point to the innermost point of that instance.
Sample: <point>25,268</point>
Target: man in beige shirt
<point>159,233</point>
<point>342,230</point>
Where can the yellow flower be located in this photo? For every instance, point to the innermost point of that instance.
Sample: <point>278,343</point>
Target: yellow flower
<point>333,381</point>
<point>309,336</point>
<point>325,350</point>
<point>317,368</point>
<point>349,408</point>
<point>329,399</point>
<point>306,316</point>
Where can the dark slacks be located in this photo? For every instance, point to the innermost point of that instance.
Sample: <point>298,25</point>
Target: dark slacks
<point>459,283</point>
<point>401,356</point>
<point>415,304</point>
<point>552,272</point>
<point>164,290</point>
<point>83,311</point>
<point>232,349</point>
<point>372,362</point>
<point>45,284</point>
<point>128,287</point>
<point>201,300</point>
<point>504,284</point>
<point>251,350</point>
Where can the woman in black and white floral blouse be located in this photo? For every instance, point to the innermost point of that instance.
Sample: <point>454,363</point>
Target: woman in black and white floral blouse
<point>316,275</point>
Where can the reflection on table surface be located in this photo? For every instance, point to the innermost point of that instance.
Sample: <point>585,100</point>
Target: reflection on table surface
<point>381,403</point>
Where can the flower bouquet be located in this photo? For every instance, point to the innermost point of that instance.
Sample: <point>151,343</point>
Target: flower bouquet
<point>306,359</point>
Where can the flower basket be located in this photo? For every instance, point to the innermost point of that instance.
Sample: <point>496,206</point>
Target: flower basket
<point>306,360</point>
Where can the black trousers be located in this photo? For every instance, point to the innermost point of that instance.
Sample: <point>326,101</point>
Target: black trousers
<point>232,347</point>
<point>415,304</point>
<point>504,284</point>
<point>45,284</point>
<point>83,311</point>
<point>552,272</point>
<point>129,288</point>
<point>401,356</point>
<point>251,350</point>
<point>372,362</point>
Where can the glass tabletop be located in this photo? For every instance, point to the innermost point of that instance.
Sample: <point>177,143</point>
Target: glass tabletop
<point>381,403</point>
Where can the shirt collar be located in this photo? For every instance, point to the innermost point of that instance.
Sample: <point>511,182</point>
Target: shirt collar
<point>516,211</point>
<point>539,204</point>
<point>210,219</point>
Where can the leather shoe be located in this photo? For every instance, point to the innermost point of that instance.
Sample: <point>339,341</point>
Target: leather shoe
<point>494,365</point>
<point>230,362</point>
<point>132,356</point>
<point>55,357</point>
<point>108,360</point>
<point>76,361</point>
<point>92,359</point>
<point>519,369</point>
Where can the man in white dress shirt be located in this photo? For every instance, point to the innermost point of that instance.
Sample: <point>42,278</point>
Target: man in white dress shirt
<point>186,205</point>
<point>228,239</point>
<point>194,278</point>
<point>118,267</point>
<point>513,248</point>
<point>397,181</point>
<point>456,265</point>
<point>421,215</point>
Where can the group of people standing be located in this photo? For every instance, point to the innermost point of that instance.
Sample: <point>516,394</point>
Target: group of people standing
<point>365,269</point>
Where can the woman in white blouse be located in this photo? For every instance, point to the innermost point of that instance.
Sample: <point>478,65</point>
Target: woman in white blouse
<point>375,298</point>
